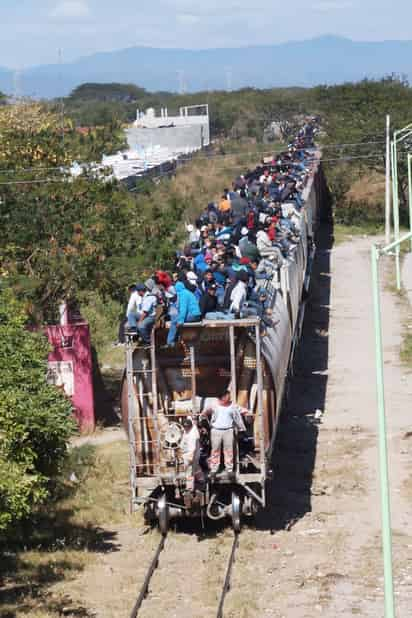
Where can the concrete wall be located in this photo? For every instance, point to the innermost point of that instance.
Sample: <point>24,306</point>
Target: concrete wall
<point>176,139</point>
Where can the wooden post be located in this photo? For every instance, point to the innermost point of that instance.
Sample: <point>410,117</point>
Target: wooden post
<point>193,377</point>
<point>233,385</point>
<point>154,400</point>
<point>131,417</point>
<point>259,376</point>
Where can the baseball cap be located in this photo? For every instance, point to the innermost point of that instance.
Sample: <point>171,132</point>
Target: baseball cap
<point>244,231</point>
<point>140,287</point>
<point>191,276</point>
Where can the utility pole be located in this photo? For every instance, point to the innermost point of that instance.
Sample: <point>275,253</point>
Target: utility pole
<point>229,75</point>
<point>181,78</point>
<point>17,94</point>
<point>388,182</point>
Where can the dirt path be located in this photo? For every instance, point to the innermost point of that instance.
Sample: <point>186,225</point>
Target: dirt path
<point>317,551</point>
<point>329,562</point>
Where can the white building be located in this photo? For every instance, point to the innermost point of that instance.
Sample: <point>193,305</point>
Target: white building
<point>186,132</point>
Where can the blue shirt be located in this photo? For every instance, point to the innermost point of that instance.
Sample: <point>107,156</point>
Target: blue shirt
<point>187,303</point>
<point>149,304</point>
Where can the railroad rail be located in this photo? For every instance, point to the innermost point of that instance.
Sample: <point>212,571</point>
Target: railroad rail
<point>144,591</point>
<point>228,575</point>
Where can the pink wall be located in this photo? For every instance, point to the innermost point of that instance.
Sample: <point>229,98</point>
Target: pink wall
<point>70,365</point>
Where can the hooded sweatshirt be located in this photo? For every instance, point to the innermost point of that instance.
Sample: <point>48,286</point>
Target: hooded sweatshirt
<point>187,303</point>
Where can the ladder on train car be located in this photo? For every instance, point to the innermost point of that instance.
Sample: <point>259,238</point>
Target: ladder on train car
<point>136,412</point>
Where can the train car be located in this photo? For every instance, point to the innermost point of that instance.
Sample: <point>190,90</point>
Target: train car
<point>164,386</point>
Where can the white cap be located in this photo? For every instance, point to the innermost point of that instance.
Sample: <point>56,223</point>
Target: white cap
<point>204,228</point>
<point>244,231</point>
<point>191,276</point>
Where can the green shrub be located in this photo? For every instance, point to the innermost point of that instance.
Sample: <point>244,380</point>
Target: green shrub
<point>35,417</point>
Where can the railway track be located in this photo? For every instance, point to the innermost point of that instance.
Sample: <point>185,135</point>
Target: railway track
<point>145,589</point>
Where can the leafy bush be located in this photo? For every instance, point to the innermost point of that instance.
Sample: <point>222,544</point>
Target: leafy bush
<point>35,418</point>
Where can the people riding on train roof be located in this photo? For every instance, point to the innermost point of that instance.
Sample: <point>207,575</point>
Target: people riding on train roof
<point>259,219</point>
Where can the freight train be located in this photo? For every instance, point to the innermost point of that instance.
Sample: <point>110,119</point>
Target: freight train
<point>162,386</point>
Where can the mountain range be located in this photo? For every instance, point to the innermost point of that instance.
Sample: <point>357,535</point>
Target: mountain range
<point>322,60</point>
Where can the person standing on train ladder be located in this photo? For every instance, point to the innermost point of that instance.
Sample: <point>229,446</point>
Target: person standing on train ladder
<point>226,416</point>
<point>190,447</point>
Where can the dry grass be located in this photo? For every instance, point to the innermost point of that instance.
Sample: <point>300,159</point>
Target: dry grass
<point>202,180</point>
<point>406,347</point>
<point>345,233</point>
<point>67,536</point>
<point>368,188</point>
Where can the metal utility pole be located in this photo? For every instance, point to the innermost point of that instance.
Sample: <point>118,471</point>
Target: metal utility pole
<point>17,91</point>
<point>229,74</point>
<point>181,78</point>
<point>388,182</point>
<point>383,449</point>
<point>410,194</point>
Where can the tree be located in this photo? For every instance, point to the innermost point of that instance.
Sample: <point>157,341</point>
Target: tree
<point>35,418</point>
<point>107,92</point>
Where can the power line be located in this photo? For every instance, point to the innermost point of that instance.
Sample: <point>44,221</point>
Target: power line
<point>235,165</point>
<point>195,157</point>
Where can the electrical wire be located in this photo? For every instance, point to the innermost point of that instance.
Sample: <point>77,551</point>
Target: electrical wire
<point>195,157</point>
<point>160,174</point>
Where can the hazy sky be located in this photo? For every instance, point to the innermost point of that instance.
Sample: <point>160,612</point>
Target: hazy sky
<point>32,31</point>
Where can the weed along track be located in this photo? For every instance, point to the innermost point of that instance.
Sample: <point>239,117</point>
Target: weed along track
<point>156,589</point>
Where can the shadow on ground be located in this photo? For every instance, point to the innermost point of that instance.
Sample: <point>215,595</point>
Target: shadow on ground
<point>289,494</point>
<point>50,548</point>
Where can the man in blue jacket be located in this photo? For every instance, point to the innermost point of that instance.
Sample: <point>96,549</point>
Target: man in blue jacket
<point>188,310</point>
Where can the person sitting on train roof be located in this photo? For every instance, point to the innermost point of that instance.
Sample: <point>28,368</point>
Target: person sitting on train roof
<point>238,295</point>
<point>200,264</point>
<point>147,315</point>
<point>193,234</point>
<point>133,307</point>
<point>208,301</point>
<point>240,207</point>
<point>207,280</point>
<point>162,278</point>
<point>266,248</point>
<point>188,311</point>
<point>225,417</point>
<point>224,206</point>
<point>259,306</point>
<point>247,247</point>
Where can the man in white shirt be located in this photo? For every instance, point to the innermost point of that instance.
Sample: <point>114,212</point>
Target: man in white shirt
<point>190,447</point>
<point>239,293</point>
<point>225,416</point>
<point>193,233</point>
<point>133,307</point>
